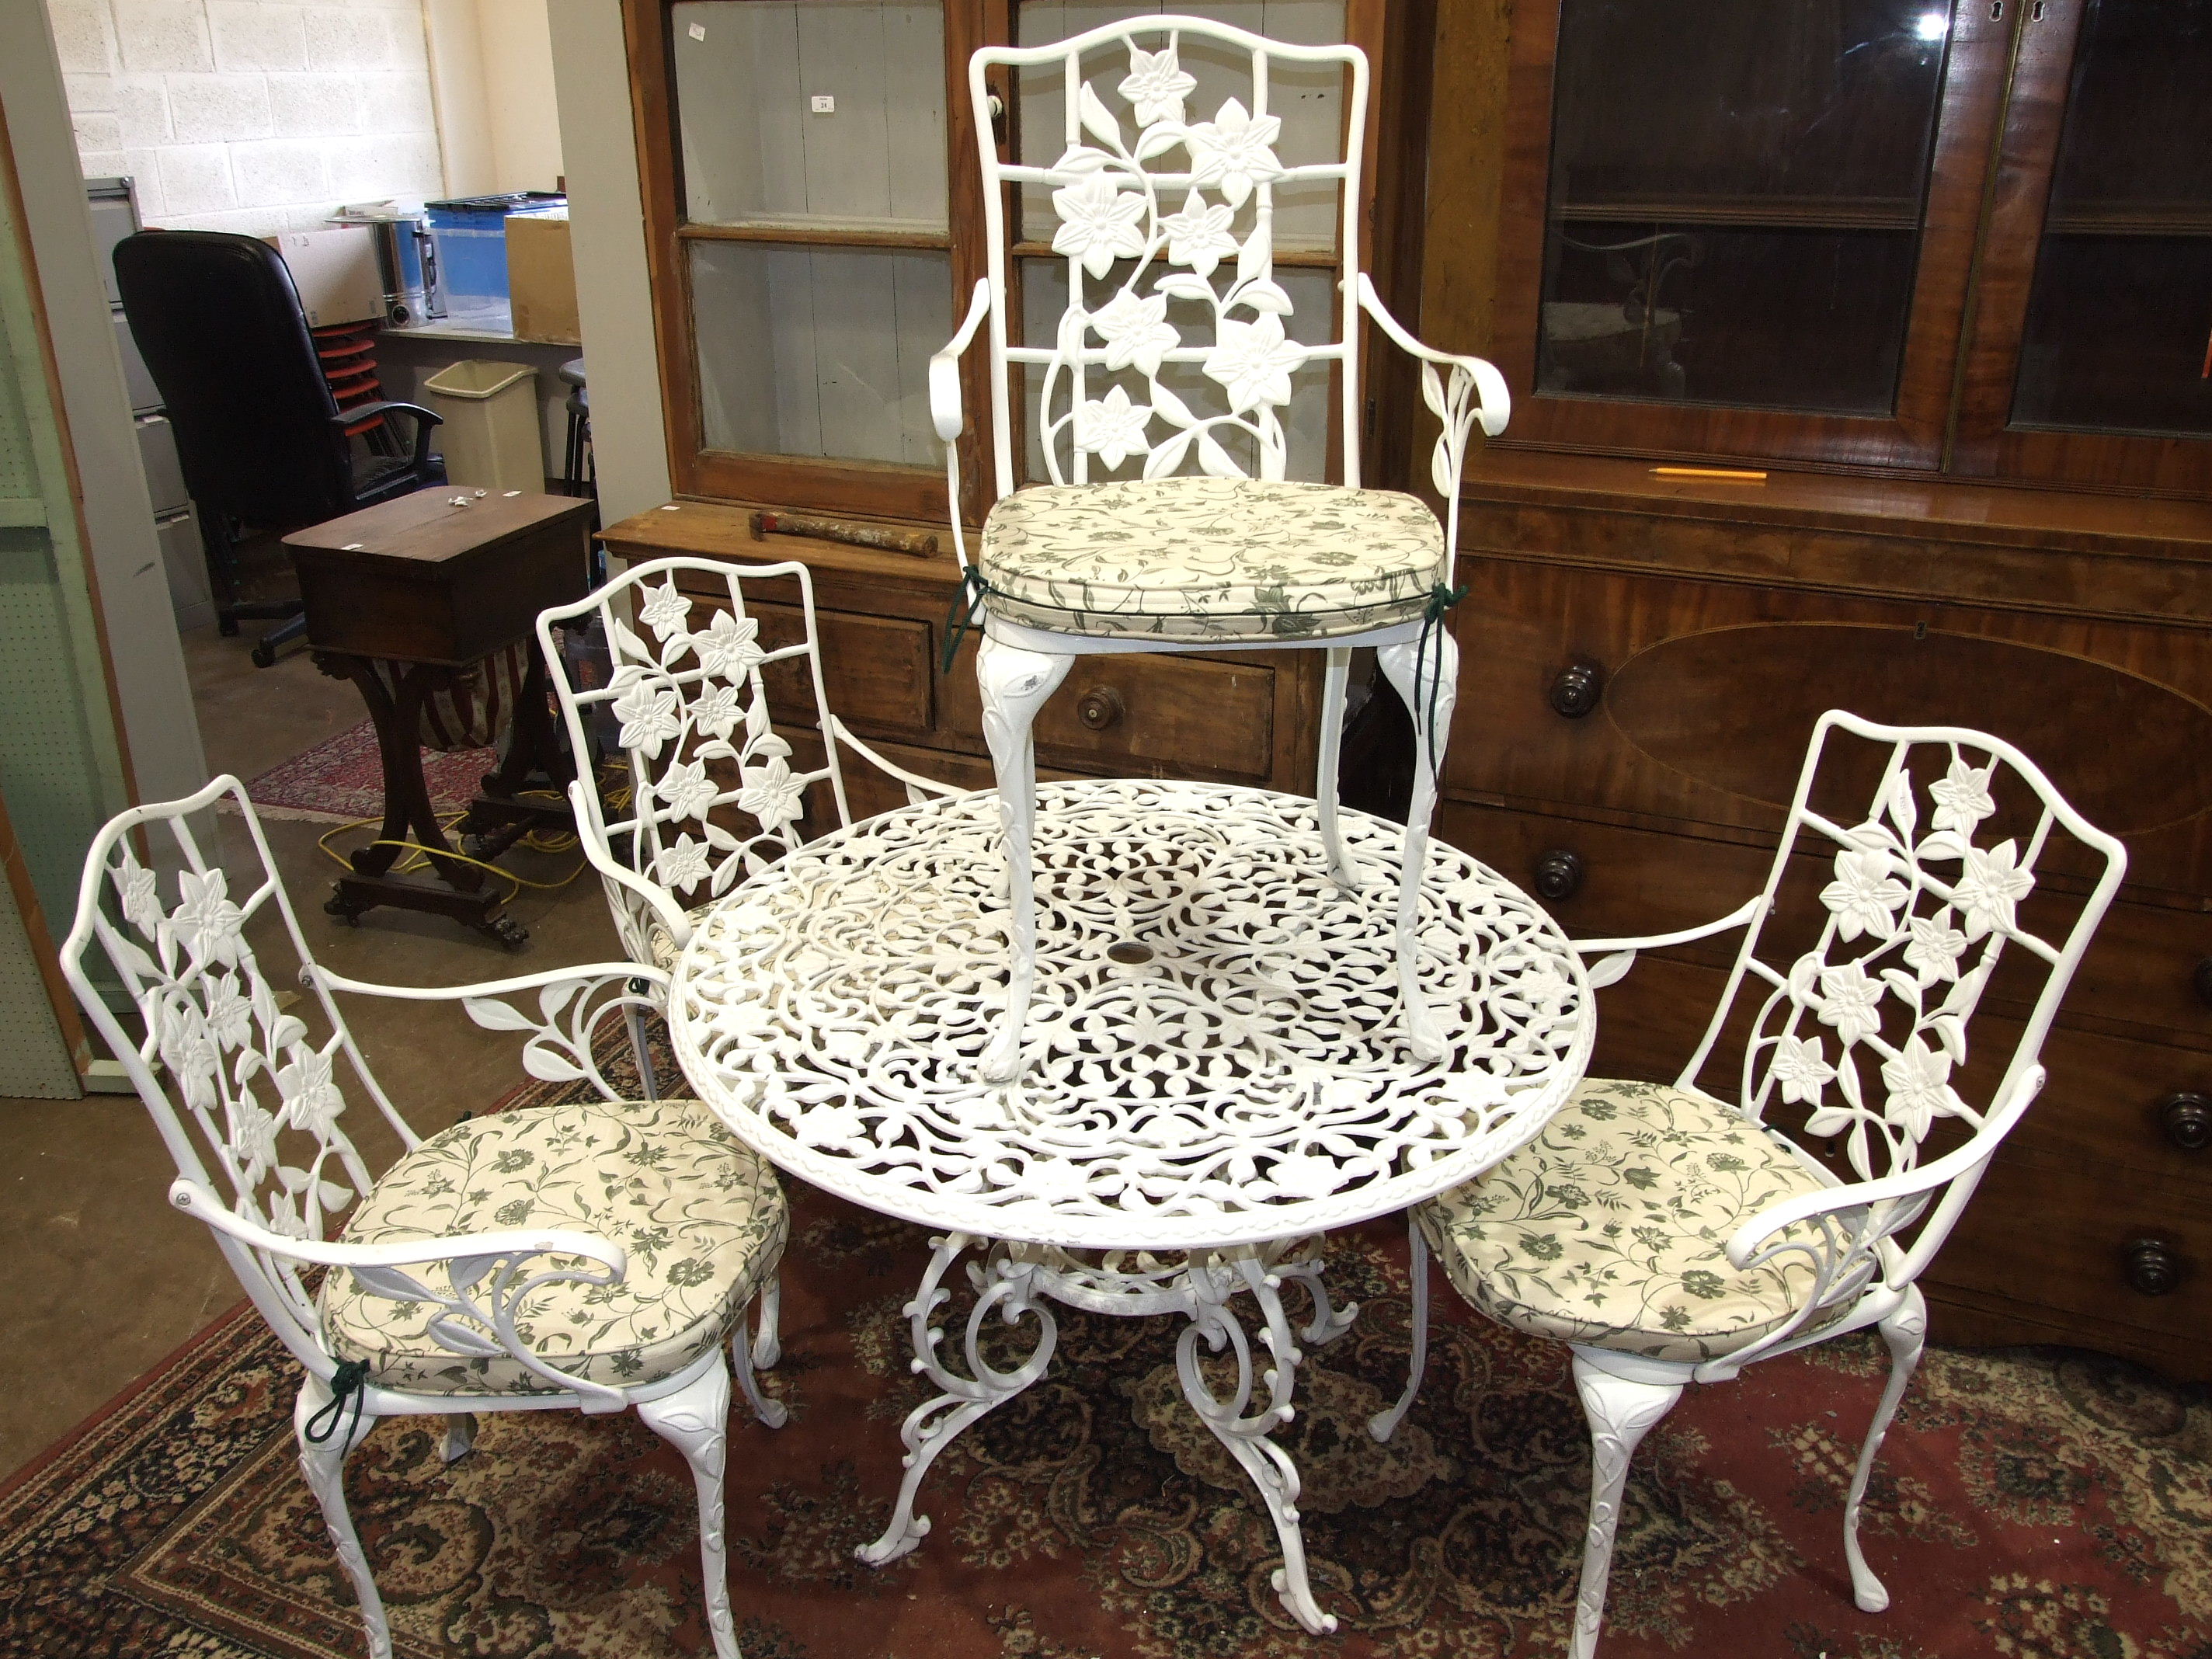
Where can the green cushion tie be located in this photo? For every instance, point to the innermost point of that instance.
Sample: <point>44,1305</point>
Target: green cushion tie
<point>350,1381</point>
<point>966,601</point>
<point>1441,600</point>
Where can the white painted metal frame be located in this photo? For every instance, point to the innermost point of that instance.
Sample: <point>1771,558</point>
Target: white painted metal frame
<point>1896,932</point>
<point>703,753</point>
<point>1210,261</point>
<point>1212,1097</point>
<point>261,1104</point>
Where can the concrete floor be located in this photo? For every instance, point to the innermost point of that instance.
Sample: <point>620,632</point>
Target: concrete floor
<point>104,1279</point>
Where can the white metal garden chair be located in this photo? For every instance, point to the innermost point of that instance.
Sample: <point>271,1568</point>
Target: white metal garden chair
<point>714,794</point>
<point>1673,1237</point>
<point>1173,353</point>
<point>519,1261</point>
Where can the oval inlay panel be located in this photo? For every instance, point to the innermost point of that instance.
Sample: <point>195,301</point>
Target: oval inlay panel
<point>1734,708</point>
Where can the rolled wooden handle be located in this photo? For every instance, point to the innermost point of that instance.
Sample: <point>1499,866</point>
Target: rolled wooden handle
<point>920,544</point>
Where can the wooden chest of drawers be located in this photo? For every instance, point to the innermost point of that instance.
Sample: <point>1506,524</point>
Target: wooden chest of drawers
<point>1642,665</point>
<point>1243,718</point>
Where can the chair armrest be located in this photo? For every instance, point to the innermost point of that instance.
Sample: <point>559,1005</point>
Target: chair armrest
<point>918,788</point>
<point>1621,952</point>
<point>483,1271</point>
<point>425,420</point>
<point>571,1002</point>
<point>944,407</point>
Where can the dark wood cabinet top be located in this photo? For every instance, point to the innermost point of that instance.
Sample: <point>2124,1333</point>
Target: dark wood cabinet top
<point>428,528</point>
<point>2147,527</point>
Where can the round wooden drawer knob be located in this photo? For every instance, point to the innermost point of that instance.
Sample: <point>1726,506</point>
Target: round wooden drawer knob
<point>2153,1266</point>
<point>1099,708</point>
<point>2187,1120</point>
<point>1575,692</point>
<point>1558,874</point>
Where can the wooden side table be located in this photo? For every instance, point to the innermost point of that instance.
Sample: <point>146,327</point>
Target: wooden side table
<point>403,599</point>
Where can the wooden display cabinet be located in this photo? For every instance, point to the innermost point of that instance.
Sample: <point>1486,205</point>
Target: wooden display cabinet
<point>1942,273</point>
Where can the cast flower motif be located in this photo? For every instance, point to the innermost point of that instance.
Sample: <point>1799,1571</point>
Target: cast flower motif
<point>771,793</point>
<point>1307,1174</point>
<point>140,899</point>
<point>311,1096</point>
<point>715,711</point>
<point>648,716</point>
<point>1112,428</point>
<point>1798,1067</point>
<point>1962,797</point>
<point>1200,236</point>
<point>1098,223</point>
<point>1936,946</point>
<point>1156,85</point>
<point>664,609</point>
<point>229,1014</point>
<point>687,789</point>
<point>1864,895</point>
<point>205,923</point>
<point>1851,1002</point>
<point>188,1049</point>
<point>253,1141</point>
<point>1919,1081</point>
<point>1254,361</point>
<point>1991,884</point>
<point>1234,150</point>
<point>1135,331</point>
<point>727,646</point>
<point>685,862</point>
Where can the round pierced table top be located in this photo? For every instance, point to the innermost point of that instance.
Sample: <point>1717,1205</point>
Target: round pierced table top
<point>1214,1050</point>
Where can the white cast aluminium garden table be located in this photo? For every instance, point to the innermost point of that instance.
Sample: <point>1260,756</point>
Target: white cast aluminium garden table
<point>1217,1073</point>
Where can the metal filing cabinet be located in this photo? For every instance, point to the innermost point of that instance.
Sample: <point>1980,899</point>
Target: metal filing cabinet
<point>114,216</point>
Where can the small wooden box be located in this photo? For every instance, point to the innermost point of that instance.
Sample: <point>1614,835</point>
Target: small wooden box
<point>421,580</point>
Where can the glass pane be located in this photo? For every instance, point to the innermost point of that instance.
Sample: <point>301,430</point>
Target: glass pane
<point>1307,98</point>
<point>756,149</point>
<point>1306,418</point>
<point>2119,320</point>
<point>1736,194</point>
<point>819,351</point>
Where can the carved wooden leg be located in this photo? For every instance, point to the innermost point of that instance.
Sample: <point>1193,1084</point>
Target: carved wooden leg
<point>1014,684</point>
<point>1905,1330</point>
<point>323,1466</point>
<point>1383,1424</point>
<point>695,1420</point>
<point>774,1412</point>
<point>767,1343</point>
<point>460,1436</point>
<point>1620,1412</point>
<point>1341,864</point>
<point>1430,701</point>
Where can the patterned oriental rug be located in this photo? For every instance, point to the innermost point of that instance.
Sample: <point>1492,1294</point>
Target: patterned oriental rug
<point>342,779</point>
<point>2032,1504</point>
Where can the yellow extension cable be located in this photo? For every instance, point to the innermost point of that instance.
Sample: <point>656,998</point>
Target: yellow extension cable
<point>538,841</point>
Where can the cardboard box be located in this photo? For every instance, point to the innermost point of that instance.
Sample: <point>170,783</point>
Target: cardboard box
<point>541,279</point>
<point>335,271</point>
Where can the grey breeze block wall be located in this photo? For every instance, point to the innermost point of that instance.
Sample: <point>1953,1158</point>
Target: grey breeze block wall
<point>247,115</point>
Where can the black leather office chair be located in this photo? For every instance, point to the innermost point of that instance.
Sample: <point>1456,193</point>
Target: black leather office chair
<point>260,437</point>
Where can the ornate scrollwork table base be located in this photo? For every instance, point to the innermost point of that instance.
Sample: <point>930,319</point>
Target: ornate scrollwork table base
<point>1216,1074</point>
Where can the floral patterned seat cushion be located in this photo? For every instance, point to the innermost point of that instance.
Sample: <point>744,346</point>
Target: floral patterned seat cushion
<point>1611,1228</point>
<point>1229,560</point>
<point>700,1213</point>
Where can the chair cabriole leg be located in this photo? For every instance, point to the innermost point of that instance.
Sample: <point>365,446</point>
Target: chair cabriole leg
<point>1621,1412</point>
<point>323,1465</point>
<point>1340,866</point>
<point>1905,1330</point>
<point>1430,704</point>
<point>768,1339</point>
<point>1014,683</point>
<point>1383,1424</point>
<point>773,1412</point>
<point>635,1020</point>
<point>695,1420</point>
<point>460,1436</point>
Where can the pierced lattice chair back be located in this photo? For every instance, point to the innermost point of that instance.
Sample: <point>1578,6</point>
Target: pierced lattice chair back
<point>1167,194</point>
<point>1923,873</point>
<point>254,1098</point>
<point>714,791</point>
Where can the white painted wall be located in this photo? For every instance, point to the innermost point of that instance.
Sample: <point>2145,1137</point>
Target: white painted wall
<point>606,235</point>
<point>491,68</point>
<point>251,115</point>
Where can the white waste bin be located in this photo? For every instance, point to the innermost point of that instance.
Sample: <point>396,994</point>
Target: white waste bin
<point>491,436</point>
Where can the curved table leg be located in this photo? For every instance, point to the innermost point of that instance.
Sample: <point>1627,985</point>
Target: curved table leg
<point>1212,1283</point>
<point>1010,1287</point>
<point>1329,1321</point>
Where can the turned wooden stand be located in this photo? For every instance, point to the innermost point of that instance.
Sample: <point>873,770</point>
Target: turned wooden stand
<point>431,585</point>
